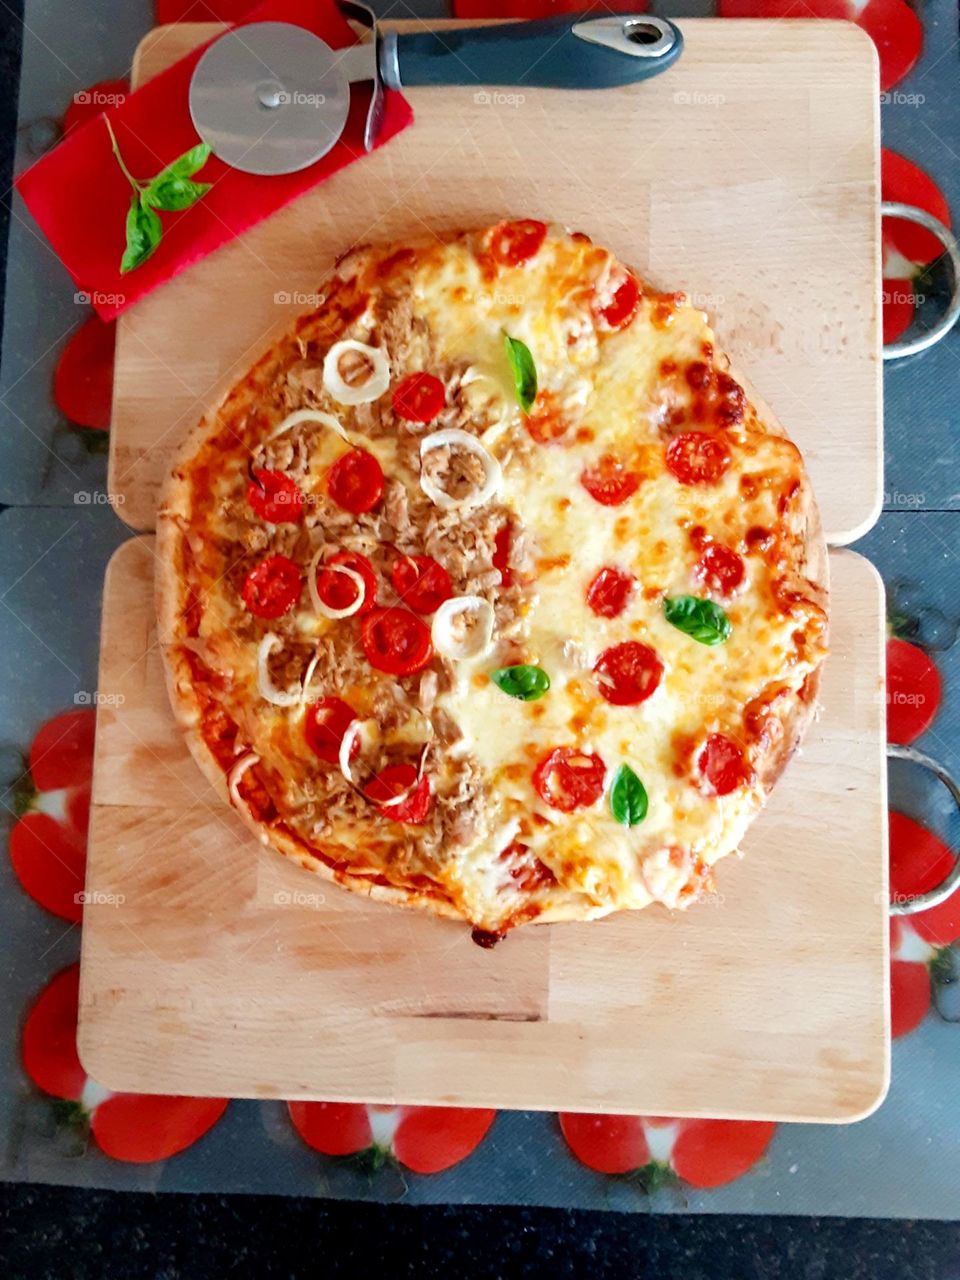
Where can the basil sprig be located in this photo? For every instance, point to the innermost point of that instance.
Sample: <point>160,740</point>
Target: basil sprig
<point>522,681</point>
<point>171,190</point>
<point>524,371</point>
<point>701,619</point>
<point>628,797</point>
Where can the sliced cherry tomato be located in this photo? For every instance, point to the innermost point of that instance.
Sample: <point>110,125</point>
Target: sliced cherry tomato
<point>275,497</point>
<point>608,593</point>
<point>622,307</point>
<point>355,481</point>
<point>272,587</point>
<point>421,583</point>
<point>913,691</point>
<point>396,641</point>
<point>419,397</point>
<point>337,591</point>
<point>393,781</point>
<point>723,765</point>
<point>546,422</point>
<point>83,378</point>
<point>513,243</point>
<point>526,868</point>
<point>569,779</point>
<point>720,569</point>
<point>501,555</point>
<point>628,673</point>
<point>325,724</point>
<point>697,458</point>
<point>609,482</point>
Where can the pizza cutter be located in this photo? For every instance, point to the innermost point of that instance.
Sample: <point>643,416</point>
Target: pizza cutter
<point>272,98</point>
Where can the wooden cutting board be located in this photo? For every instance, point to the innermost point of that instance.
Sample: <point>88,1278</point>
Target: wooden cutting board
<point>747,175</point>
<point>213,967</point>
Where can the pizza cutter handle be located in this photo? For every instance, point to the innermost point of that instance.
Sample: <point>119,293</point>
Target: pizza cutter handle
<point>568,52</point>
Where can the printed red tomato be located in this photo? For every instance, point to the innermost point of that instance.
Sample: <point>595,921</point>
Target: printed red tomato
<point>422,1139</point>
<point>513,243</point>
<point>609,482</point>
<point>628,673</point>
<point>697,458</point>
<point>501,555</point>
<point>622,307</point>
<point>904,182</point>
<point>135,1128</point>
<point>421,583</point>
<point>723,765</point>
<point>569,779</point>
<point>337,591</point>
<point>913,691</point>
<point>272,587</point>
<point>419,397</point>
<point>393,781</point>
<point>275,497</point>
<point>48,842</point>
<point>701,1153</point>
<point>720,569</point>
<point>609,591</point>
<point>899,301</point>
<point>83,378</point>
<point>325,724</point>
<point>535,9</point>
<point>396,641</point>
<point>355,481</point>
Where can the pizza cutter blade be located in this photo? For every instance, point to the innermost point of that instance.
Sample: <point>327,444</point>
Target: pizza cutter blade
<point>273,98</point>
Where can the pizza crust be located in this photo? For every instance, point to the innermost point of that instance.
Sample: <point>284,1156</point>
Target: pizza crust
<point>171,601</point>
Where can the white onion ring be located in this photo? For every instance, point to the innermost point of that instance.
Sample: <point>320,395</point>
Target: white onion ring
<point>309,415</point>
<point>308,676</point>
<point>480,637</point>
<point>375,385</point>
<point>268,690</point>
<point>315,600</point>
<point>352,731</point>
<point>493,474</point>
<point>236,773</point>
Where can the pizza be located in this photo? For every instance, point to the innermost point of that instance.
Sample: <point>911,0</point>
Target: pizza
<point>490,589</point>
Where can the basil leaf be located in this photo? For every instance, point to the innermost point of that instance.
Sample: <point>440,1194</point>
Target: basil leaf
<point>171,194</point>
<point>187,165</point>
<point>628,797</point>
<point>524,372</point>
<point>701,619</point>
<point>143,235</point>
<point>522,681</point>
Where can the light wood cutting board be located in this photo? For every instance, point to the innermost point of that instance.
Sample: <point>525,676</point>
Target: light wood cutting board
<point>213,967</point>
<point>747,175</point>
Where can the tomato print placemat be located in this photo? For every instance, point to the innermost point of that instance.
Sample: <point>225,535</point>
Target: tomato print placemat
<point>59,1126</point>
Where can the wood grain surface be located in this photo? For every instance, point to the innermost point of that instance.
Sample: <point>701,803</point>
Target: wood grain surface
<point>211,966</point>
<point>747,175</point>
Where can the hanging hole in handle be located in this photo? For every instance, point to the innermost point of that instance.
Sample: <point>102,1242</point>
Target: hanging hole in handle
<point>910,905</point>
<point>910,346</point>
<point>642,31</point>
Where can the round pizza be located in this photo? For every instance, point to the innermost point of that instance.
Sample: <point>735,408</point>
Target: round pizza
<point>490,589</point>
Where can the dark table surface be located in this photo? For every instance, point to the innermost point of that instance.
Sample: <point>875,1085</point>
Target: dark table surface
<point>49,1231</point>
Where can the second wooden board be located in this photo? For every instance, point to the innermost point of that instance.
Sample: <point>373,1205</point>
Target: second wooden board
<point>746,175</point>
<point>211,966</point>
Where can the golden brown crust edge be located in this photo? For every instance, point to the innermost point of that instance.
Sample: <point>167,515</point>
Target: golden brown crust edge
<point>169,600</point>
